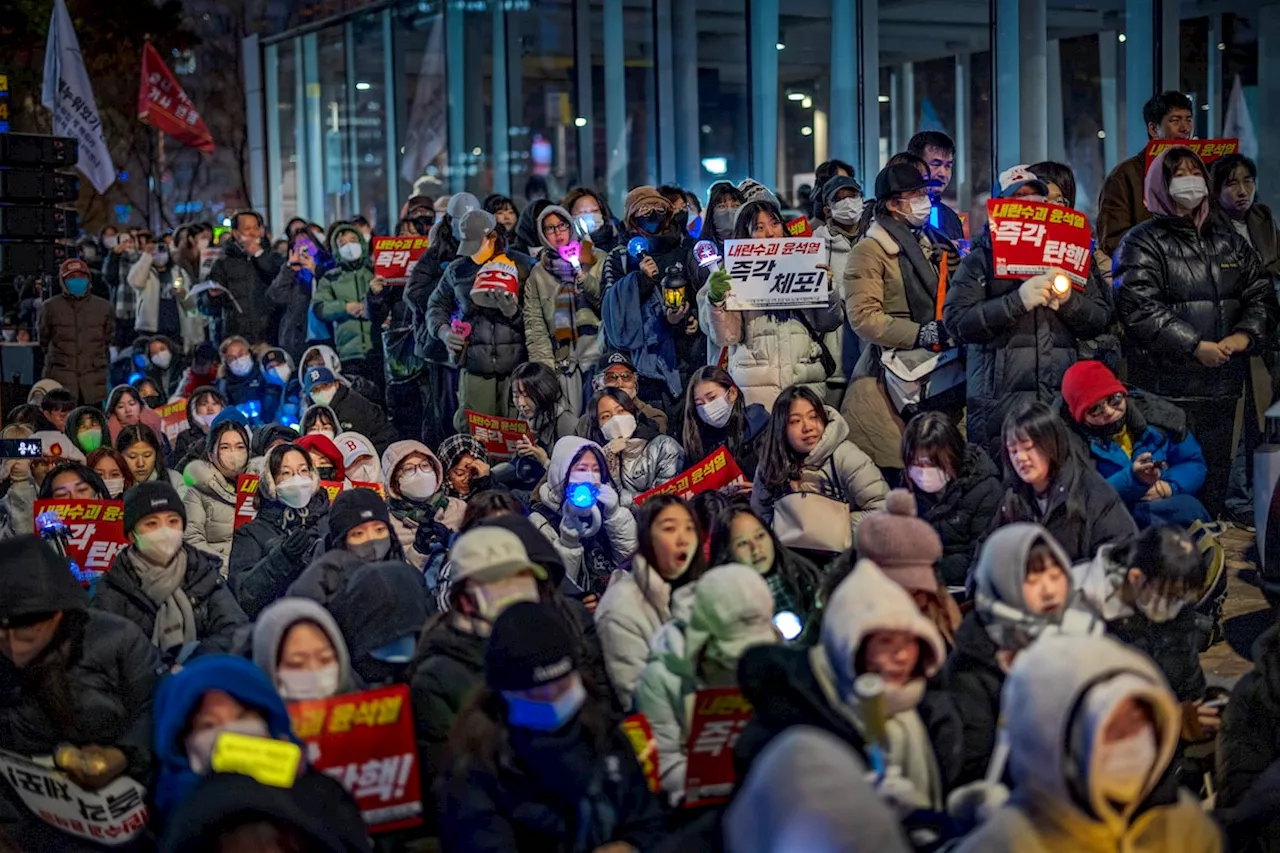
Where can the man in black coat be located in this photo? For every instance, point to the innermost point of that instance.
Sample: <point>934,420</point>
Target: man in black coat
<point>355,412</point>
<point>246,269</point>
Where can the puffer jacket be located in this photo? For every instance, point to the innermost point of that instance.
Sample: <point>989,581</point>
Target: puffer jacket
<point>247,279</point>
<point>645,464</point>
<point>211,510</point>
<point>841,343</point>
<point>75,334</point>
<point>439,514</point>
<point>1013,354</point>
<point>496,345</point>
<point>1177,286</point>
<point>857,480</point>
<point>259,570</point>
<point>346,282</point>
<point>1249,740</point>
<point>772,350</point>
<point>974,679</point>
<point>962,512</point>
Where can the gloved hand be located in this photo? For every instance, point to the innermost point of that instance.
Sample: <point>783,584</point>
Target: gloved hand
<point>974,803</point>
<point>718,286</point>
<point>607,500</point>
<point>297,544</point>
<point>572,526</point>
<point>1036,292</point>
<point>451,339</point>
<point>933,336</point>
<point>898,793</point>
<point>506,302</point>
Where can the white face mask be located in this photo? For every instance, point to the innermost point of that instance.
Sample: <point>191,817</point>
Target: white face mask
<point>115,486</point>
<point>619,426</point>
<point>918,214</point>
<point>1159,608</point>
<point>1188,190</point>
<point>296,685</point>
<point>160,258</point>
<point>159,546</point>
<point>363,472</point>
<point>200,745</point>
<point>295,492</point>
<point>419,485</point>
<point>350,252</point>
<point>162,359</point>
<point>323,396</point>
<point>928,480</point>
<point>716,411</point>
<point>1126,765</point>
<point>109,242</point>
<point>589,222</point>
<point>847,211</point>
<point>241,366</point>
<point>203,421</point>
<point>282,372</point>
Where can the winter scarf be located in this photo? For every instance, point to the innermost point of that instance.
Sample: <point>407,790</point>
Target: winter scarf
<point>919,277</point>
<point>175,619</point>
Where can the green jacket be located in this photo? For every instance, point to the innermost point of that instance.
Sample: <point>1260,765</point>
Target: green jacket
<point>346,282</point>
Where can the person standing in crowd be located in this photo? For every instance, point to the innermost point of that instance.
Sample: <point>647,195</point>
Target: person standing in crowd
<point>1121,203</point>
<point>78,684</point>
<point>166,367</point>
<point>354,412</point>
<point>1139,442</point>
<point>159,295</point>
<point>301,650</point>
<point>826,171</point>
<point>293,287</point>
<point>591,216</point>
<point>338,299</point>
<point>1021,336</point>
<point>716,414</point>
<point>1235,178</point>
<point>1195,302</point>
<point>525,237</point>
<point>246,269</point>
<point>171,590</point>
<point>423,517</point>
<point>841,203</point>
<point>211,500</point>
<point>75,333</point>
<point>896,280</point>
<point>637,455</point>
<point>120,258</point>
<point>938,152</point>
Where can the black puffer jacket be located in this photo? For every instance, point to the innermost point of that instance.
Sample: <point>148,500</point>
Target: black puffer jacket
<point>1249,741</point>
<point>1177,286</point>
<point>424,278</point>
<point>357,413</point>
<point>974,680</point>
<point>962,512</point>
<point>247,279</point>
<point>217,613</point>
<point>496,345</point>
<point>1014,354</point>
<point>259,569</point>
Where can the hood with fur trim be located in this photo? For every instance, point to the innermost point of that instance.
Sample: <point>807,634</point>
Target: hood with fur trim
<point>331,360</point>
<point>396,453</point>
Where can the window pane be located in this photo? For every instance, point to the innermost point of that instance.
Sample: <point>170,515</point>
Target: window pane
<point>422,108</point>
<point>369,123</point>
<point>804,87</point>
<point>636,136</point>
<point>724,87</point>
<point>286,93</point>
<point>1082,100</point>
<point>334,117</point>
<point>542,97</point>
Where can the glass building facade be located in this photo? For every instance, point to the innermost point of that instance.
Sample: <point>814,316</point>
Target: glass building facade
<point>354,105</point>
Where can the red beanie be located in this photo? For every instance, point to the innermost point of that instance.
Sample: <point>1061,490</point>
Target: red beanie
<point>1086,383</point>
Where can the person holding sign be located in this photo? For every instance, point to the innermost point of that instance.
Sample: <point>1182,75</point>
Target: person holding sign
<point>716,415</point>
<point>1195,303</point>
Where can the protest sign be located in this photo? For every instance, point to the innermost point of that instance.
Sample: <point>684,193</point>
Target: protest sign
<point>246,488</point>
<point>719,716</point>
<point>499,273</point>
<point>776,275</point>
<point>1208,149</point>
<point>1031,237</point>
<point>715,472</point>
<point>366,742</point>
<point>173,418</point>
<point>110,816</point>
<point>640,733</point>
<point>799,227</point>
<point>394,257</point>
<point>498,435</point>
<point>95,532</point>
<point>333,487</point>
<point>208,257</point>
<point>373,487</point>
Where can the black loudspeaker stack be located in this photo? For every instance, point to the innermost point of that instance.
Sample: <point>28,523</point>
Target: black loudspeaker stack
<point>37,223</point>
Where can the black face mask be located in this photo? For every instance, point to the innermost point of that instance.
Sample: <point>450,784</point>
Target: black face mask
<point>680,221</point>
<point>326,472</point>
<point>651,223</point>
<point>153,400</point>
<point>1106,432</point>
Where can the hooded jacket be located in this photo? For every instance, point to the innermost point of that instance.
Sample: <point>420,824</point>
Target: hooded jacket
<point>366,389</point>
<point>277,619</point>
<point>189,445</point>
<point>211,509</point>
<point>541,290</point>
<point>440,515</point>
<point>1057,802</point>
<point>146,416</point>
<point>962,512</point>
<point>377,604</point>
<point>75,334</point>
<point>836,468</point>
<point>496,346</point>
<point>1013,354</point>
<point>85,417</point>
<point>347,282</point>
<point>169,379</point>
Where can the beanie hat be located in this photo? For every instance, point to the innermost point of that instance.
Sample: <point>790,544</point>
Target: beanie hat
<point>351,509</point>
<point>37,581</point>
<point>231,414</point>
<point>529,647</point>
<point>148,498</point>
<point>753,190</point>
<point>905,547</point>
<point>457,446</point>
<point>489,554</point>
<point>1087,382</point>
<point>643,196</point>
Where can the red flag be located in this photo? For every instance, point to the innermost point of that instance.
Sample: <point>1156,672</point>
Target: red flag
<point>163,105</point>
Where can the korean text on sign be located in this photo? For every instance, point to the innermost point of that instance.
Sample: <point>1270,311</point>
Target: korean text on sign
<point>1208,149</point>
<point>366,742</point>
<point>110,816</point>
<point>719,716</point>
<point>638,731</point>
<point>776,275</point>
<point>498,435</point>
<point>246,488</point>
<point>173,418</point>
<point>95,531</point>
<point>393,257</point>
<point>1032,237</point>
<point>715,472</point>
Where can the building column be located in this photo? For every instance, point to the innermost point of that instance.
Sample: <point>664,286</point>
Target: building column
<point>456,78</point>
<point>1213,98</point>
<point>499,145</point>
<point>1056,148</point>
<point>1034,86</point>
<point>763,34</point>
<point>315,131</point>
<point>866,56</point>
<point>688,126</point>
<point>664,61</point>
<point>1007,75</point>
<point>842,110</point>
<point>1139,71</point>
<point>904,105</point>
<point>584,102</point>
<point>1267,119</point>
<point>615,105</point>
<point>273,189</point>
<point>349,113</point>
<point>390,135</point>
<point>1110,91</point>
<point>301,140</point>
<point>960,175</point>
<point>1169,61</point>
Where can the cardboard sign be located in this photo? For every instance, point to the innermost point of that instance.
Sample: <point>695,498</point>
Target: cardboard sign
<point>640,733</point>
<point>719,716</point>
<point>111,816</point>
<point>1208,149</point>
<point>1031,237</point>
<point>246,488</point>
<point>207,258</point>
<point>366,742</point>
<point>173,418</point>
<point>715,472</point>
<point>498,435</point>
<point>799,227</point>
<point>498,274</point>
<point>393,257</point>
<point>776,275</point>
<point>269,761</point>
<point>95,532</point>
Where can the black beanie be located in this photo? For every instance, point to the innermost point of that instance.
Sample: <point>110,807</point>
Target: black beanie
<point>37,582</point>
<point>352,508</point>
<point>152,496</point>
<point>529,647</point>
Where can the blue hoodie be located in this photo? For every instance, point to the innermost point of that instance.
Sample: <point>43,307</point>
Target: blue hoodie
<point>178,698</point>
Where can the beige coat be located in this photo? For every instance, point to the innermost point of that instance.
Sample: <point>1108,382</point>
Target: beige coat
<point>540,291</point>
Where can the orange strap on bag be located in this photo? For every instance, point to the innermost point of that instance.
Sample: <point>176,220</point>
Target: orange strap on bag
<point>942,286</point>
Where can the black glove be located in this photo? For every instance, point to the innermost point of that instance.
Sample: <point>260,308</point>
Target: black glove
<point>297,544</point>
<point>932,336</point>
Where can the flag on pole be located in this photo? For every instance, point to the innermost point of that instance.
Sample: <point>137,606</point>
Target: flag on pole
<point>165,106</point>
<point>1238,124</point>
<point>68,95</point>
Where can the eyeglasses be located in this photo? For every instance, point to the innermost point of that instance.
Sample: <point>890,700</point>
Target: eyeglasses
<point>409,470</point>
<point>556,229</point>
<point>615,377</point>
<point>1099,409</point>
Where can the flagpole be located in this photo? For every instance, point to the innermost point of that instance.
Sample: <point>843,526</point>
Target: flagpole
<point>159,224</point>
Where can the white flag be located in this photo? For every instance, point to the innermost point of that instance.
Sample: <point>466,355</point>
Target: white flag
<point>68,95</point>
<point>1238,124</point>
<point>425,135</point>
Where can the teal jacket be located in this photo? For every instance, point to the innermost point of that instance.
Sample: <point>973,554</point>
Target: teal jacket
<point>346,282</point>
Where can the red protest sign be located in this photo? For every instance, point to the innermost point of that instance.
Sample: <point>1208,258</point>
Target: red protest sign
<point>715,472</point>
<point>498,435</point>
<point>366,742</point>
<point>246,488</point>
<point>173,418</point>
<point>95,532</point>
<point>333,487</point>
<point>1207,149</point>
<point>719,715</point>
<point>498,274</point>
<point>640,733</point>
<point>799,227</point>
<point>373,487</point>
<point>393,257</point>
<point>1031,237</point>
<point>165,106</point>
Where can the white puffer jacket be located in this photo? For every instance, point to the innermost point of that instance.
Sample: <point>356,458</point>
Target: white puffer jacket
<point>211,510</point>
<point>839,245</point>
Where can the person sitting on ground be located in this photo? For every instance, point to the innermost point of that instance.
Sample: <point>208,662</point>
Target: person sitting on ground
<point>355,413</point>
<point>301,649</point>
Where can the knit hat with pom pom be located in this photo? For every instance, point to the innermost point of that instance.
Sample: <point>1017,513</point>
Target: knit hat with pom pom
<point>905,547</point>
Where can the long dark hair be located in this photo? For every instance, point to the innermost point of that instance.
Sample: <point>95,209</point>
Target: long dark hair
<point>649,513</point>
<point>720,192</point>
<point>645,428</point>
<point>799,575</point>
<point>746,217</point>
<point>1060,174</point>
<point>934,434</point>
<point>141,433</point>
<point>84,472</point>
<point>541,386</point>
<point>1175,157</point>
<point>779,463</point>
<point>734,428</point>
<point>1034,421</point>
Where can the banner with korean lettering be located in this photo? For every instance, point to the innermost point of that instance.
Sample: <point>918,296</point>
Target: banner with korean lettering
<point>246,488</point>
<point>715,472</point>
<point>366,742</point>
<point>111,816</point>
<point>640,733</point>
<point>95,531</point>
<point>164,105</point>
<point>1207,149</point>
<point>719,716</point>
<point>173,418</point>
<point>1032,237</point>
<point>498,435</point>
<point>799,227</point>
<point>393,257</point>
<point>776,275</point>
